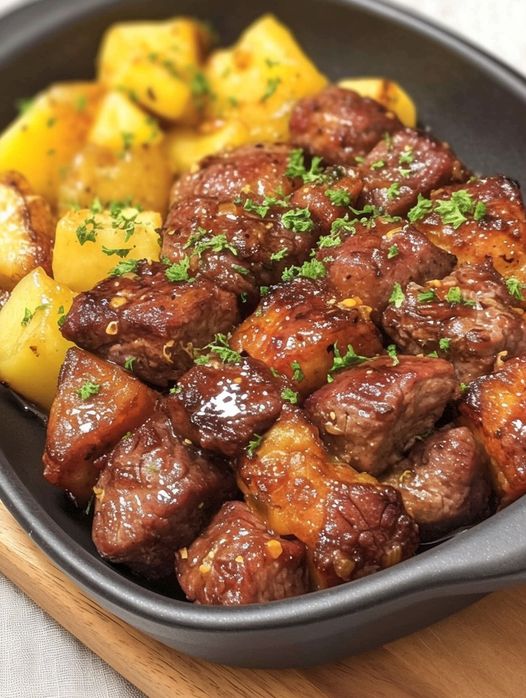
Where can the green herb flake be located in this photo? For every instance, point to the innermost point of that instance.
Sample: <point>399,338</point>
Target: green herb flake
<point>343,225</point>
<point>392,252</point>
<point>118,252</point>
<point>479,211</point>
<point>338,197</point>
<point>87,231</point>
<point>176,390</point>
<point>427,296</point>
<point>299,220</point>
<point>128,364</point>
<point>263,290</point>
<point>455,296</point>
<point>311,269</point>
<point>289,395</point>
<point>332,240</point>
<point>397,296</point>
<point>515,288</point>
<point>406,156</point>
<point>88,390</point>
<point>241,270</point>
<point>350,358</point>
<point>297,373</point>
<point>378,164</point>
<point>279,255</point>
<point>24,105</point>
<point>178,271</point>
<point>128,266</point>
<point>393,191</point>
<point>253,445</point>
<point>271,87</point>
<point>391,351</point>
<point>444,344</point>
<point>422,207</point>
<point>221,347</point>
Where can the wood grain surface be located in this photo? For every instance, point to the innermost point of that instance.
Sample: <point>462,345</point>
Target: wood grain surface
<point>478,652</point>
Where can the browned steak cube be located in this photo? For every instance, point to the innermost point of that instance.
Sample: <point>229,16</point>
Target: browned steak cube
<point>339,125</point>
<point>467,318</point>
<point>221,406</point>
<point>155,495</point>
<point>479,219</point>
<point>235,248</point>
<point>329,200</point>
<point>296,327</point>
<point>95,405</point>
<point>442,482</point>
<point>410,163</point>
<point>371,414</point>
<point>367,265</point>
<point>253,170</point>
<point>237,561</point>
<point>146,321</point>
<point>494,407</point>
<point>351,525</point>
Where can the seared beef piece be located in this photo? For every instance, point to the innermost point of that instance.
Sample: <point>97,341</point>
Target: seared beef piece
<point>367,266</point>
<point>494,407</point>
<point>252,170</point>
<point>234,248</point>
<point>4,297</point>
<point>351,525</point>
<point>495,228</point>
<point>371,414</point>
<point>329,200</point>
<point>408,164</point>
<point>221,406</point>
<point>295,328</point>
<point>145,317</point>
<point>339,125</point>
<point>237,561</point>
<point>467,318</point>
<point>95,405</point>
<point>442,482</point>
<point>156,493</point>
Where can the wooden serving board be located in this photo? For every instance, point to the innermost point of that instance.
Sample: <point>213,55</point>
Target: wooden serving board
<point>478,652</point>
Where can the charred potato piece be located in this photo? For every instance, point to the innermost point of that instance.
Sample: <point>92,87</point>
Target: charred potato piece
<point>96,404</point>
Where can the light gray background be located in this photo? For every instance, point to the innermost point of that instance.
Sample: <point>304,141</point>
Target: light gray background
<point>38,659</point>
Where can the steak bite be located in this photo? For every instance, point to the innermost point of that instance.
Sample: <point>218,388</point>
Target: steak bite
<point>236,249</point>
<point>479,219</point>
<point>351,525</point>
<point>145,320</point>
<point>410,163</point>
<point>95,405</point>
<point>237,561</point>
<point>367,265</point>
<point>340,125</point>
<point>442,482</point>
<point>155,494</point>
<point>467,318</point>
<point>220,406</point>
<point>494,407</point>
<point>329,200</point>
<point>296,327</point>
<point>253,171</point>
<point>370,415</point>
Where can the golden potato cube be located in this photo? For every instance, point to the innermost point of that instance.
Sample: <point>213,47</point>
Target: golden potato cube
<point>141,175</point>
<point>387,92</point>
<point>121,124</point>
<point>155,62</point>
<point>44,139</point>
<point>259,80</point>
<point>91,242</point>
<point>32,348</point>
<point>26,230</point>
<point>186,146</point>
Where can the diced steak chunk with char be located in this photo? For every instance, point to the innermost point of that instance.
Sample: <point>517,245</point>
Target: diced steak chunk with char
<point>410,163</point>
<point>351,525</point>
<point>155,495</point>
<point>442,482</point>
<point>370,415</point>
<point>155,323</point>
<point>339,125</point>
<point>296,327</point>
<point>466,318</point>
<point>95,405</point>
<point>479,219</point>
<point>368,265</point>
<point>494,407</point>
<point>328,201</point>
<point>238,250</point>
<point>253,170</point>
<point>237,561</point>
<point>221,406</point>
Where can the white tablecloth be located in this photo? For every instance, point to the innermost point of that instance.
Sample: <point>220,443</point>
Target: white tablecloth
<point>38,659</point>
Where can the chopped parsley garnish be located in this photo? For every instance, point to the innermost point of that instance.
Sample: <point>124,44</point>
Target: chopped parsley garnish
<point>463,387</point>
<point>432,355</point>
<point>406,156</point>
<point>176,390</point>
<point>289,395</point>
<point>24,105</point>
<point>28,316</point>
<point>393,191</point>
<point>311,269</point>
<point>217,243</point>
<point>119,252</point>
<point>297,373</point>
<point>128,364</point>
<point>279,255</point>
<point>243,296</point>
<point>88,390</point>
<point>404,171</point>
<point>254,444</point>
<point>263,208</point>
<point>241,270</point>
<point>444,344</point>
<point>421,209</point>
<point>343,225</point>
<point>296,168</point>
<point>427,296</point>
<point>263,290</point>
<point>199,86</point>
<point>81,103</point>
<point>61,316</point>
<point>338,197</point>
<point>454,295</point>
<point>392,252</point>
<point>221,347</point>
<point>270,89</point>
<point>391,351</point>
<point>87,231</point>
<point>178,271</point>
<point>299,220</point>
<point>332,240</point>
<point>378,164</point>
<point>348,359</point>
<point>455,210</point>
<point>359,159</point>
<point>397,296</point>
<point>515,287</point>
<point>127,140</point>
<point>128,266</point>
<point>121,222</point>
<point>480,211</point>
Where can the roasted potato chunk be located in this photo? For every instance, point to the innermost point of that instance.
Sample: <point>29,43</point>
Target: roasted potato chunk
<point>388,92</point>
<point>258,80</point>
<point>44,139</point>
<point>96,404</point>
<point>32,348</point>
<point>27,229</point>
<point>495,409</point>
<point>351,525</point>
<point>90,243</point>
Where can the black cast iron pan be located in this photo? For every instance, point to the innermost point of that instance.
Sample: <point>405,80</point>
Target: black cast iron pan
<point>467,98</point>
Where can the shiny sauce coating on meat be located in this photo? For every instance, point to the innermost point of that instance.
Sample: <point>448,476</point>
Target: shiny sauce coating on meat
<point>237,561</point>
